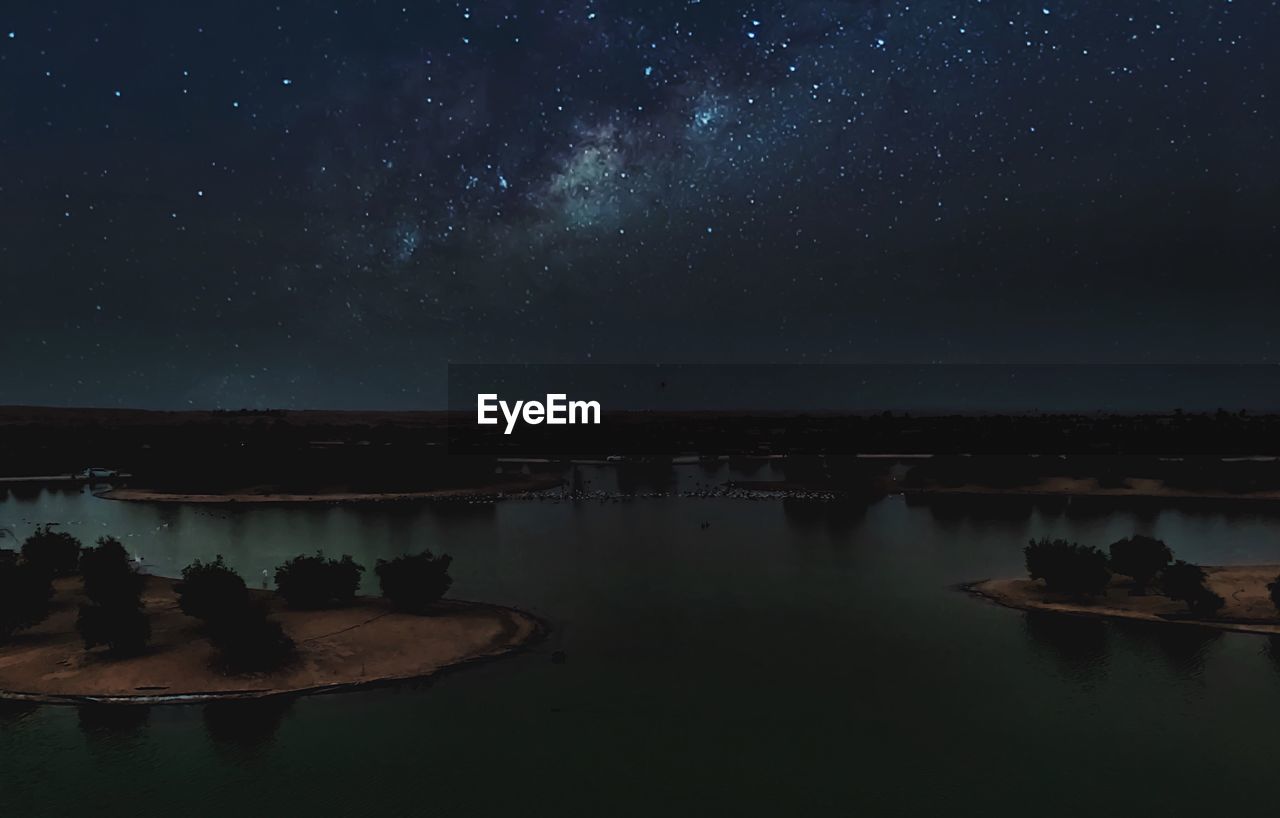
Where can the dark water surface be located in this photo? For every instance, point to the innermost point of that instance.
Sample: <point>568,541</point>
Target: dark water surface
<point>790,659</point>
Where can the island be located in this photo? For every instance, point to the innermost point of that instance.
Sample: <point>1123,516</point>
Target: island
<point>1247,603</point>
<point>359,644</point>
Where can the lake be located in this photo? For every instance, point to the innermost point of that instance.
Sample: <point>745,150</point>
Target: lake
<point>790,658</point>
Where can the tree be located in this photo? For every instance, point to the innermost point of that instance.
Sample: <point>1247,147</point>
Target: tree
<point>121,628</point>
<point>1141,558</point>
<point>57,553</point>
<point>1067,567</point>
<point>414,582</point>
<point>209,590</point>
<point>247,640</point>
<point>25,592</point>
<point>114,617</point>
<point>314,582</point>
<point>109,578</point>
<point>1186,581</point>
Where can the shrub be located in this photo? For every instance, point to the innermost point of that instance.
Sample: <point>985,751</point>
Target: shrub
<point>1141,558</point>
<point>123,629</point>
<point>25,592</point>
<point>109,578</point>
<point>1206,603</point>
<point>1067,567</point>
<point>414,582</point>
<point>209,590</point>
<point>57,553</point>
<point>314,582</point>
<point>246,640</point>
<point>1186,581</point>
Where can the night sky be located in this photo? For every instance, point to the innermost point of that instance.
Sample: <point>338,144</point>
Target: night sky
<point>318,205</point>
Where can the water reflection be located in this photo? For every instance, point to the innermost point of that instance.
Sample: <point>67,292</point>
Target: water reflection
<point>951,508</point>
<point>12,712</point>
<point>108,724</point>
<point>1080,645</point>
<point>833,516</point>
<point>245,725</point>
<point>1272,650</point>
<point>1183,647</point>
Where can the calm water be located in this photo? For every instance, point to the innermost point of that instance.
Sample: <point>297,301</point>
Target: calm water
<point>788,660</point>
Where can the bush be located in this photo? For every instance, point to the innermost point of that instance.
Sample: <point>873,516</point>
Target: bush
<point>1141,558</point>
<point>25,592</point>
<point>1067,567</point>
<point>109,578</point>
<point>209,590</point>
<point>414,582</point>
<point>123,629</point>
<point>246,640</point>
<point>314,582</point>
<point>57,553</point>
<point>1186,581</point>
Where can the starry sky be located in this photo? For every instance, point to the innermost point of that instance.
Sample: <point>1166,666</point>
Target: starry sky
<point>257,204</point>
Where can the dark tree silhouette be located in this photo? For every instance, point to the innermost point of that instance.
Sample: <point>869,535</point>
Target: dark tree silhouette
<point>209,590</point>
<point>1067,567</point>
<point>109,578</point>
<point>247,640</point>
<point>122,629</point>
<point>1141,558</point>
<point>314,582</point>
<point>57,553</point>
<point>114,616</point>
<point>1186,582</point>
<point>414,582</point>
<point>25,592</point>
<point>1274,588</point>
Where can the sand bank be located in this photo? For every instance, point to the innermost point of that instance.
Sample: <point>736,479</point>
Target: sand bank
<point>1090,487</point>
<point>362,644</point>
<point>1248,606</point>
<point>273,497</point>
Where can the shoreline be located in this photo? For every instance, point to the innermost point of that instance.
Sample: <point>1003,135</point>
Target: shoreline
<point>489,491</point>
<point>1137,489</point>
<point>1247,608</point>
<point>356,647</point>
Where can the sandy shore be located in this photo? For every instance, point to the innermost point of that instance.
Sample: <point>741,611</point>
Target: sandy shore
<point>338,649</point>
<point>267,496</point>
<point>1089,487</point>
<point>1248,606</point>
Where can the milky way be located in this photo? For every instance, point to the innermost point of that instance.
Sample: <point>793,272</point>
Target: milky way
<point>258,205</point>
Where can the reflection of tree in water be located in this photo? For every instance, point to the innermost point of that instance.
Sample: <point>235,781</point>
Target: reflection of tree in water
<point>245,725</point>
<point>642,477</point>
<point>838,516</point>
<point>746,466</point>
<point>945,508</point>
<point>1079,644</point>
<point>11,712</point>
<point>1273,650</point>
<point>453,513</point>
<point>112,722</point>
<point>1184,647</point>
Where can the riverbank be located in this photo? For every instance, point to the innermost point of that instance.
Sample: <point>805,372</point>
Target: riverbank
<point>358,645</point>
<point>538,482</point>
<point>1248,607</point>
<point>1134,488</point>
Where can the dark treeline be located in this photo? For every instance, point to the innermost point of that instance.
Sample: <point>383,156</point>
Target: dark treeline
<point>193,451</point>
<point>1187,473</point>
